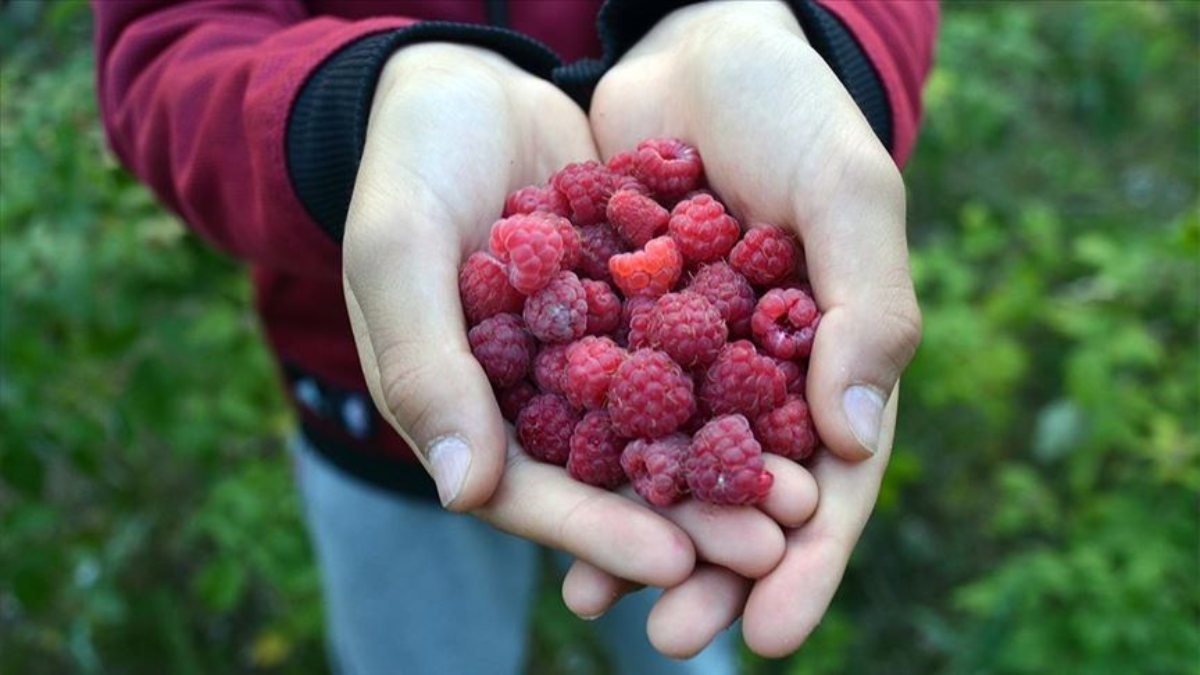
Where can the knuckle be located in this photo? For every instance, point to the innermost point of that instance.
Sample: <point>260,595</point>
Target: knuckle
<point>905,327</point>
<point>401,377</point>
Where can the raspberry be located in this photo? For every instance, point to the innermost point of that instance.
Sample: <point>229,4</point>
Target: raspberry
<point>656,468</point>
<point>549,366</point>
<point>785,322</point>
<point>598,244</point>
<point>558,312</point>
<point>687,328</point>
<point>766,255</point>
<point>586,187</point>
<point>544,428</point>
<point>743,381</point>
<point>603,307</point>
<point>533,248</point>
<point>535,198</point>
<point>636,217</point>
<point>668,166</point>
<point>595,456</point>
<point>795,374</point>
<point>651,271</point>
<point>591,363</point>
<point>513,399</point>
<point>729,292</point>
<point>725,464</point>
<point>622,163</point>
<point>503,347</point>
<point>484,289</point>
<point>635,316</point>
<point>650,396</point>
<point>702,229</point>
<point>787,430</point>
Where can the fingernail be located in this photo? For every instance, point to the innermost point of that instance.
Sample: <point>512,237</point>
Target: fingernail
<point>591,617</point>
<point>864,410</point>
<point>449,459</point>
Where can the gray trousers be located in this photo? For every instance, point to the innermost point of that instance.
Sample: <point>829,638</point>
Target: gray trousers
<point>411,588</point>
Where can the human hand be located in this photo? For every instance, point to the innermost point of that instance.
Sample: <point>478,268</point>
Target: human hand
<point>783,143</point>
<point>452,131</point>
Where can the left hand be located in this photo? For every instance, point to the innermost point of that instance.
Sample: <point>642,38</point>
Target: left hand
<point>783,143</point>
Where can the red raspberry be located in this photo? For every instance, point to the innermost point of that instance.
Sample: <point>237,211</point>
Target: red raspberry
<point>650,395</point>
<point>702,229</point>
<point>544,428</point>
<point>549,366</point>
<point>558,312</point>
<point>687,328</point>
<point>635,316</point>
<point>787,430</point>
<point>598,243</point>
<point>533,248</point>
<point>651,271</point>
<point>743,381</point>
<point>604,307</point>
<point>503,347</point>
<point>766,255</point>
<point>795,374</point>
<point>484,289</point>
<point>729,292</point>
<point>656,468</point>
<point>785,323</point>
<point>513,399</point>
<point>668,166</point>
<point>595,456</point>
<point>535,198</point>
<point>725,464</point>
<point>586,187</point>
<point>636,217</point>
<point>622,163</point>
<point>591,363</point>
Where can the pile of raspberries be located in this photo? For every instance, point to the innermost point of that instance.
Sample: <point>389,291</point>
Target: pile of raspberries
<point>632,332</point>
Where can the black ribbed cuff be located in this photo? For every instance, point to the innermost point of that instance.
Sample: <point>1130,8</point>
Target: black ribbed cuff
<point>623,22</point>
<point>327,126</point>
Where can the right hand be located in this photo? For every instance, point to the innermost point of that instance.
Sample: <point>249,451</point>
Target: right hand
<point>454,129</point>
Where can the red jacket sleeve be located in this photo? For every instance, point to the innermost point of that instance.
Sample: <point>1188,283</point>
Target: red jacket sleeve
<point>195,99</point>
<point>898,38</point>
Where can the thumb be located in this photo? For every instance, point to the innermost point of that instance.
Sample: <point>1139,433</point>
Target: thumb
<point>857,256</point>
<point>408,327</point>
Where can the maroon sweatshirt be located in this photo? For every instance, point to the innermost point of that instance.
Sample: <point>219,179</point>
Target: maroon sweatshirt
<point>247,118</point>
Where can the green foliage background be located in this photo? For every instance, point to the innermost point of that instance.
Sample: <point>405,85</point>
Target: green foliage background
<point>1041,511</point>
